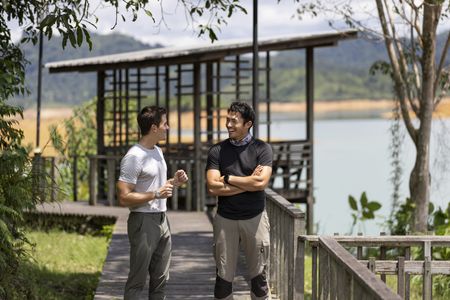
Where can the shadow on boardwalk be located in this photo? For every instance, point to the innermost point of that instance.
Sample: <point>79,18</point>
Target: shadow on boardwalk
<point>192,270</point>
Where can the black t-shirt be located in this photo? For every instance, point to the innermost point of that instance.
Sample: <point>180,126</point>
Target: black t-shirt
<point>240,161</point>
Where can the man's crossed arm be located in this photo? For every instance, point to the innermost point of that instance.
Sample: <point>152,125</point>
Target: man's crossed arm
<point>258,181</point>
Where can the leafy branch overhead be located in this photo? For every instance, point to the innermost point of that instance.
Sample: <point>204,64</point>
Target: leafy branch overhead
<point>420,74</point>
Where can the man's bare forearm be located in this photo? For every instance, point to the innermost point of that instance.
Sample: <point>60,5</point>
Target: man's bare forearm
<point>218,188</point>
<point>134,198</point>
<point>250,183</point>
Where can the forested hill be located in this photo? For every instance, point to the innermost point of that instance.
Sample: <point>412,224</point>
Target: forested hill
<point>71,88</point>
<point>341,72</point>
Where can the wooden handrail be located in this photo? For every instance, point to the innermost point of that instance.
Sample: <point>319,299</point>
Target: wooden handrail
<point>403,267</point>
<point>287,222</point>
<point>339,262</point>
<point>387,241</point>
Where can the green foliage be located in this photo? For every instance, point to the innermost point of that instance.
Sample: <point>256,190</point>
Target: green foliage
<point>77,142</point>
<point>17,178</point>
<point>63,265</point>
<point>364,211</point>
<point>98,225</point>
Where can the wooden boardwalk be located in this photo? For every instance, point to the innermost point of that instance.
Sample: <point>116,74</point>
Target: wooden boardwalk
<point>192,270</point>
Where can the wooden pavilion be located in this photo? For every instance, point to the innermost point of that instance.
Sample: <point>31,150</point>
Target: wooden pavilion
<point>196,85</point>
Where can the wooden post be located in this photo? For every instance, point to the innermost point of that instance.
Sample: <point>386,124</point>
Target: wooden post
<point>197,138</point>
<point>189,185</point>
<point>310,136</point>
<point>427,279</point>
<point>299,275</point>
<point>372,264</point>
<point>75,178</point>
<point>209,102</point>
<point>111,174</point>
<point>383,256</point>
<point>100,119</point>
<point>268,100</point>
<point>93,180</point>
<point>359,249</point>
<point>173,167</point>
<point>314,272</point>
<point>401,277</point>
<point>407,276</point>
<point>324,274</point>
<point>53,179</point>
<point>179,91</point>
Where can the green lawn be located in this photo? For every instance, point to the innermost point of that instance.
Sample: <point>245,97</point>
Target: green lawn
<point>64,265</point>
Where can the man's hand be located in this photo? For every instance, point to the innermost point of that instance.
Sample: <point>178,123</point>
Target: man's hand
<point>257,170</point>
<point>180,178</point>
<point>166,190</point>
<point>258,181</point>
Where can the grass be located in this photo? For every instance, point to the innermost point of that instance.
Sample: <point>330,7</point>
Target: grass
<point>64,265</point>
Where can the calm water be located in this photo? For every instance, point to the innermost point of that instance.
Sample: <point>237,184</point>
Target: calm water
<point>352,156</point>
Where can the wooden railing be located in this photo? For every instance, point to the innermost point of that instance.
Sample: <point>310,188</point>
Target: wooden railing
<point>110,168</point>
<point>287,222</point>
<point>402,266</point>
<point>292,174</point>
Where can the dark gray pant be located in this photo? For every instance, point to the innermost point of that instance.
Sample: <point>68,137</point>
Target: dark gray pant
<point>150,250</point>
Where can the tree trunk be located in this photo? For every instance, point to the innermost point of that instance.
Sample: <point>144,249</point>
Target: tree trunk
<point>419,183</point>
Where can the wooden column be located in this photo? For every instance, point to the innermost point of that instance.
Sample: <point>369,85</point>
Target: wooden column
<point>95,182</point>
<point>310,135</point>
<point>268,116</point>
<point>127,107</point>
<point>167,104</point>
<point>218,104</point>
<point>197,138</point>
<point>209,101</point>
<point>100,115</point>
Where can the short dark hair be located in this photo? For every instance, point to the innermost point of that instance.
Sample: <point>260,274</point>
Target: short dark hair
<point>150,115</point>
<point>246,111</point>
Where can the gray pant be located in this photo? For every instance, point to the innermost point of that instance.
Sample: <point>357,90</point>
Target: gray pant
<point>150,251</point>
<point>254,238</point>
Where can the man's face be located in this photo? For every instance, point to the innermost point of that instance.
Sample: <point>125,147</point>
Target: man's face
<point>237,129</point>
<point>161,130</point>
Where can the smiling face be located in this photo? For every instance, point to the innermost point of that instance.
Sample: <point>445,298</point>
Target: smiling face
<point>237,129</point>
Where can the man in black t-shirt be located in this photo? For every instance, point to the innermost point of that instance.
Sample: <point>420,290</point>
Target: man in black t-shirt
<point>238,171</point>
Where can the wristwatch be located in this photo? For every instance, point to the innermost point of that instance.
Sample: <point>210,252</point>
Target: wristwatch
<point>157,194</point>
<point>226,178</point>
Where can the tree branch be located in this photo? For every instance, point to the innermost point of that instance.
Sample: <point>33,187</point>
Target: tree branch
<point>441,63</point>
<point>396,72</point>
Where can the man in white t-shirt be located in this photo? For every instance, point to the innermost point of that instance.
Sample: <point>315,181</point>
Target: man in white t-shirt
<point>144,188</point>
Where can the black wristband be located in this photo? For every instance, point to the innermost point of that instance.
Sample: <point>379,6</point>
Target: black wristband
<point>226,178</point>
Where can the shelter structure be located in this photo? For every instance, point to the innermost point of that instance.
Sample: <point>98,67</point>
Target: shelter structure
<point>196,85</point>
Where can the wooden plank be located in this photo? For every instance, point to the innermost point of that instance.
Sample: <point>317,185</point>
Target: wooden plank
<point>387,241</point>
<point>314,273</point>
<point>374,287</point>
<point>427,279</point>
<point>300,271</point>
<point>401,277</point>
<point>389,267</point>
<point>324,273</point>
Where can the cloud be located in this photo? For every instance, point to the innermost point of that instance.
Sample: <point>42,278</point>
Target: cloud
<point>274,20</point>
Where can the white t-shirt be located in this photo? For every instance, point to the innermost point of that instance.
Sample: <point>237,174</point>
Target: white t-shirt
<point>147,169</point>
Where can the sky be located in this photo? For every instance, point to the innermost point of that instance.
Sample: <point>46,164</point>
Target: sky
<point>275,19</point>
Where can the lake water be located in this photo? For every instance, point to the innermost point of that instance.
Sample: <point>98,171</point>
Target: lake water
<point>352,156</point>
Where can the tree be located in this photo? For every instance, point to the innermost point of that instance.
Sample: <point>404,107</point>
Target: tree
<point>420,77</point>
<point>71,19</point>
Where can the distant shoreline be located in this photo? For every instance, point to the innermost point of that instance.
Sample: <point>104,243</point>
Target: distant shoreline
<point>323,110</point>
<point>383,107</point>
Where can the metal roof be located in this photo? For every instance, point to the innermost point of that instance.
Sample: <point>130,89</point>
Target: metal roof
<point>192,54</point>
